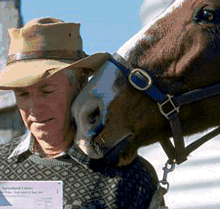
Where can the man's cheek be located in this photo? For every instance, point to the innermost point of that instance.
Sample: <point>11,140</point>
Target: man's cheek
<point>24,117</point>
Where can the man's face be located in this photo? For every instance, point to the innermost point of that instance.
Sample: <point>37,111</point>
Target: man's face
<point>44,106</point>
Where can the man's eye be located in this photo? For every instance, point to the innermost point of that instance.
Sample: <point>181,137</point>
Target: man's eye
<point>24,94</point>
<point>47,92</point>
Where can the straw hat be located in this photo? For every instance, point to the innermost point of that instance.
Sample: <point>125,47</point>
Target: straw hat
<point>43,47</point>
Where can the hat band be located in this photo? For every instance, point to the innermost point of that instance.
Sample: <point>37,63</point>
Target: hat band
<point>47,54</point>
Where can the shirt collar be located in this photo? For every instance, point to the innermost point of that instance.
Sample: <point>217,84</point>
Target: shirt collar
<point>77,155</point>
<point>27,144</point>
<point>23,146</point>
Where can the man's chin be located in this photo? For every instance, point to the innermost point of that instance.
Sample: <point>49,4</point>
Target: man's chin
<point>41,134</point>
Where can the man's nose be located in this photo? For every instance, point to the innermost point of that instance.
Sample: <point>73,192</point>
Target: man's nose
<point>35,105</point>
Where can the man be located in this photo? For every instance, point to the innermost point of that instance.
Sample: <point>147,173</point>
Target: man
<point>46,68</point>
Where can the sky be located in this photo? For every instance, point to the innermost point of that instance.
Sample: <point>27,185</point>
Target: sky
<point>105,25</point>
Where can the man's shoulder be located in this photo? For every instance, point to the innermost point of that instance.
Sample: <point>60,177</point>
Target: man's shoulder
<point>143,165</point>
<point>146,165</point>
<point>146,168</point>
<point>7,148</point>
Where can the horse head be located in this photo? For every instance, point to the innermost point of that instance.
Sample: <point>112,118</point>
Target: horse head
<point>180,50</point>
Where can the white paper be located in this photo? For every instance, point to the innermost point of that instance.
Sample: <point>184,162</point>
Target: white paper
<point>31,194</point>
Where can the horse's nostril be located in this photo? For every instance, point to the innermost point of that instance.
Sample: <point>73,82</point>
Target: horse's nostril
<point>92,118</point>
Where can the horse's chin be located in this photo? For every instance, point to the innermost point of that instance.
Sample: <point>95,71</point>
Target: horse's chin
<point>88,147</point>
<point>110,154</point>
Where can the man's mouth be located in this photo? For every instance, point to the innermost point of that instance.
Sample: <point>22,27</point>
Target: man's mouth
<point>42,121</point>
<point>47,120</point>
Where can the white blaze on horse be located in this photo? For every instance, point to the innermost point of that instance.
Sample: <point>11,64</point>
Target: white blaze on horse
<point>164,82</point>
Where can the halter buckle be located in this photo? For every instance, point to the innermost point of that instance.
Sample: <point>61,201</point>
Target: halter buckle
<point>169,105</point>
<point>140,79</point>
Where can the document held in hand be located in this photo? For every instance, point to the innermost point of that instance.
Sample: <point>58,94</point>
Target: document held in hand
<point>31,194</point>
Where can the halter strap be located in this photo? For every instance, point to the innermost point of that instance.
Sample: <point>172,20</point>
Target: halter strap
<point>169,106</point>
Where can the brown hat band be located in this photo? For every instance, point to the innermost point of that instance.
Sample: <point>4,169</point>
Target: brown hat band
<point>47,54</point>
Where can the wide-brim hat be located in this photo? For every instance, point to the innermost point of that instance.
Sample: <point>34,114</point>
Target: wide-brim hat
<point>43,47</point>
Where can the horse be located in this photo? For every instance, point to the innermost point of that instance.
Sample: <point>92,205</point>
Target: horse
<point>173,58</point>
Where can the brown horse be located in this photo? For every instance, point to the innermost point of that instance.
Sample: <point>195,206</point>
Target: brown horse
<point>181,52</point>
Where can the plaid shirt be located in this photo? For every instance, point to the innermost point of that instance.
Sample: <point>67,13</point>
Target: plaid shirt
<point>87,184</point>
<point>27,144</point>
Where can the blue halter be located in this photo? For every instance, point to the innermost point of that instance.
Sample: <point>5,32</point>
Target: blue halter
<point>169,107</point>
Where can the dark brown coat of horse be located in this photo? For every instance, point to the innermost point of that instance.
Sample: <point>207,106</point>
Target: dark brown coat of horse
<point>182,50</point>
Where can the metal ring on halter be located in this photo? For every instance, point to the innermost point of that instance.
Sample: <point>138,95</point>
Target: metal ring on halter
<point>138,78</point>
<point>172,107</point>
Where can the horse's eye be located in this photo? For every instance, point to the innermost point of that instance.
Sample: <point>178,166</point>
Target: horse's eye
<point>207,16</point>
<point>92,118</point>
